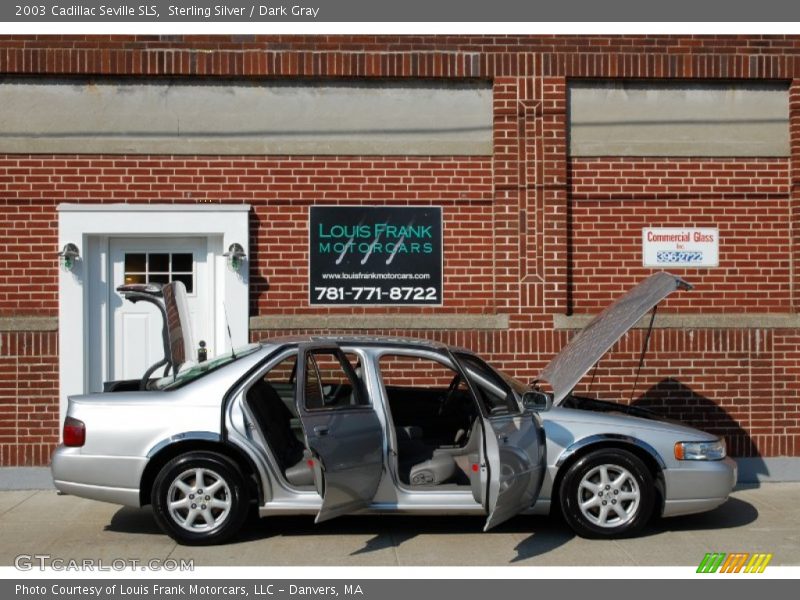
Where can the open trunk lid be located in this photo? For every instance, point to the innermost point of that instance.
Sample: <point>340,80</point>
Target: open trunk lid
<point>170,299</point>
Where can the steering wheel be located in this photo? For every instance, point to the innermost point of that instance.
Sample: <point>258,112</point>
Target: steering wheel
<point>450,396</point>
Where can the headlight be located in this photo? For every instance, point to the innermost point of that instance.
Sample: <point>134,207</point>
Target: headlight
<point>700,450</point>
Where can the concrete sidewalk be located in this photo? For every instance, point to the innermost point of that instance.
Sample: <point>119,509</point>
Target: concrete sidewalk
<point>755,519</point>
<point>25,478</point>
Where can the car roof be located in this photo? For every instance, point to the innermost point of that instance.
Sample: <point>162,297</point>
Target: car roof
<point>365,340</point>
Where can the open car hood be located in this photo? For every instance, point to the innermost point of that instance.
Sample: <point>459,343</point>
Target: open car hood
<point>589,345</point>
<point>171,301</point>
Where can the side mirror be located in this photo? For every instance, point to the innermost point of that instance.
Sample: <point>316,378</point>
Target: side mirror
<point>537,401</point>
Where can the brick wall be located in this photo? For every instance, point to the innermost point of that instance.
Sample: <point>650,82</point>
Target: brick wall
<point>279,238</point>
<point>723,381</point>
<point>612,199</point>
<point>29,420</point>
<point>528,232</point>
<point>279,189</point>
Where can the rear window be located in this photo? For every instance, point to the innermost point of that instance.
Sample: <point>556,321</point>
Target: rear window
<point>196,371</point>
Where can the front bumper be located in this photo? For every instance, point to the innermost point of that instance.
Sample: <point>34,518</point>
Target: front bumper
<point>106,478</point>
<point>698,486</point>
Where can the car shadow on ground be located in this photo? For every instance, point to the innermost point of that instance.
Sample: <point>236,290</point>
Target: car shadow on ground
<point>542,533</point>
<point>134,520</point>
<point>734,513</point>
<point>674,399</point>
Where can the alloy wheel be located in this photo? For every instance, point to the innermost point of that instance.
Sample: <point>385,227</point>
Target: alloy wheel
<point>199,500</point>
<point>609,495</point>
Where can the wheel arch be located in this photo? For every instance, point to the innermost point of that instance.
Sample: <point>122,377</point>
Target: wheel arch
<point>166,450</point>
<point>642,450</point>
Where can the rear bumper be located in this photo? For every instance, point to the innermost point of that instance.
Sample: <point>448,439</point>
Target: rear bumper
<point>106,478</point>
<point>698,486</point>
<point>124,496</point>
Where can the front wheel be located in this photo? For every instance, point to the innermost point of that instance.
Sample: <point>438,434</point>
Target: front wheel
<point>606,494</point>
<point>200,498</point>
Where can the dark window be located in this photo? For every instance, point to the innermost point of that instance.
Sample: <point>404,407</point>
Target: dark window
<point>330,381</point>
<point>160,267</point>
<point>158,263</point>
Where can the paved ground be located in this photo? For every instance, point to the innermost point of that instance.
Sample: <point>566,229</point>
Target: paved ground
<point>756,519</point>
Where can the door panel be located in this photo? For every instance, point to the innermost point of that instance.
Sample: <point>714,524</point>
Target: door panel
<point>134,333</point>
<point>515,454</point>
<point>341,429</point>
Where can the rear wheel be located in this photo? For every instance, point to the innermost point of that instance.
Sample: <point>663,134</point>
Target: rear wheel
<point>200,498</point>
<point>606,494</point>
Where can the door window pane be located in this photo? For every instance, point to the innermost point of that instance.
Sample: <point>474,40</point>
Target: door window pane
<point>328,382</point>
<point>160,267</point>
<point>187,280</point>
<point>158,278</point>
<point>135,262</point>
<point>182,262</point>
<point>158,262</point>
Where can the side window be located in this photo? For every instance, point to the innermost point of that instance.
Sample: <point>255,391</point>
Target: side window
<point>331,381</point>
<point>423,392</point>
<point>399,370</point>
<point>284,372</point>
<point>494,393</point>
<point>283,379</point>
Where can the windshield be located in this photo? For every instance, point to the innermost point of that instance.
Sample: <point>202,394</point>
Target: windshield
<point>204,368</point>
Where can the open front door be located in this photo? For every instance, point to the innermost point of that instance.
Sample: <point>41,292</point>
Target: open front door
<point>341,429</point>
<point>511,465</point>
<point>514,452</point>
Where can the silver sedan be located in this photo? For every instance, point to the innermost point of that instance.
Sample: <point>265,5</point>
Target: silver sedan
<point>336,425</point>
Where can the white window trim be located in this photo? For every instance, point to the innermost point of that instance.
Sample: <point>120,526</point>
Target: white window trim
<point>80,224</point>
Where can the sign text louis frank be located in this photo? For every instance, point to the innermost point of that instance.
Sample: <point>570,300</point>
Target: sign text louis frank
<point>680,247</point>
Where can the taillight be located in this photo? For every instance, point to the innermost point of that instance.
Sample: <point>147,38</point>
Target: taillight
<point>74,432</point>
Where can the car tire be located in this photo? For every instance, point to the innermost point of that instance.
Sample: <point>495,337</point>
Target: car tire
<point>200,498</point>
<point>608,493</point>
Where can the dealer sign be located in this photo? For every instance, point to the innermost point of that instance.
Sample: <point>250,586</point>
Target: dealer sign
<point>680,247</point>
<point>375,255</point>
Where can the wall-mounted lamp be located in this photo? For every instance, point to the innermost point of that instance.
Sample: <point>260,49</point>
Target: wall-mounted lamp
<point>68,255</point>
<point>235,256</point>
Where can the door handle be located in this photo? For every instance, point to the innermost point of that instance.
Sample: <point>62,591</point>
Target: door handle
<point>321,430</point>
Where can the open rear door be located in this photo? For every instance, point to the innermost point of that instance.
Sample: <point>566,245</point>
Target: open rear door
<point>341,429</point>
<point>515,457</point>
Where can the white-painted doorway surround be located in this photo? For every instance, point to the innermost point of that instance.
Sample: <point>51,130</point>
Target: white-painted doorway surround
<point>102,337</point>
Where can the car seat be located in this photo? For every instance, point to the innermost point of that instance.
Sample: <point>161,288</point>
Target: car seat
<point>447,460</point>
<point>275,422</point>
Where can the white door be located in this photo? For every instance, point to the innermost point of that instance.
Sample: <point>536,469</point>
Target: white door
<point>135,340</point>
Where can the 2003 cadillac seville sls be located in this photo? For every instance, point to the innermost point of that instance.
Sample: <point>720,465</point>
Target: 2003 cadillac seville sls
<point>335,425</point>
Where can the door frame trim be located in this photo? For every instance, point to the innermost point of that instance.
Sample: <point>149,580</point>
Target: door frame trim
<point>86,224</point>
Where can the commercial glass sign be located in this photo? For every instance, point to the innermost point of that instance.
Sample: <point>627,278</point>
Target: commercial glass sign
<point>680,247</point>
<point>375,255</point>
